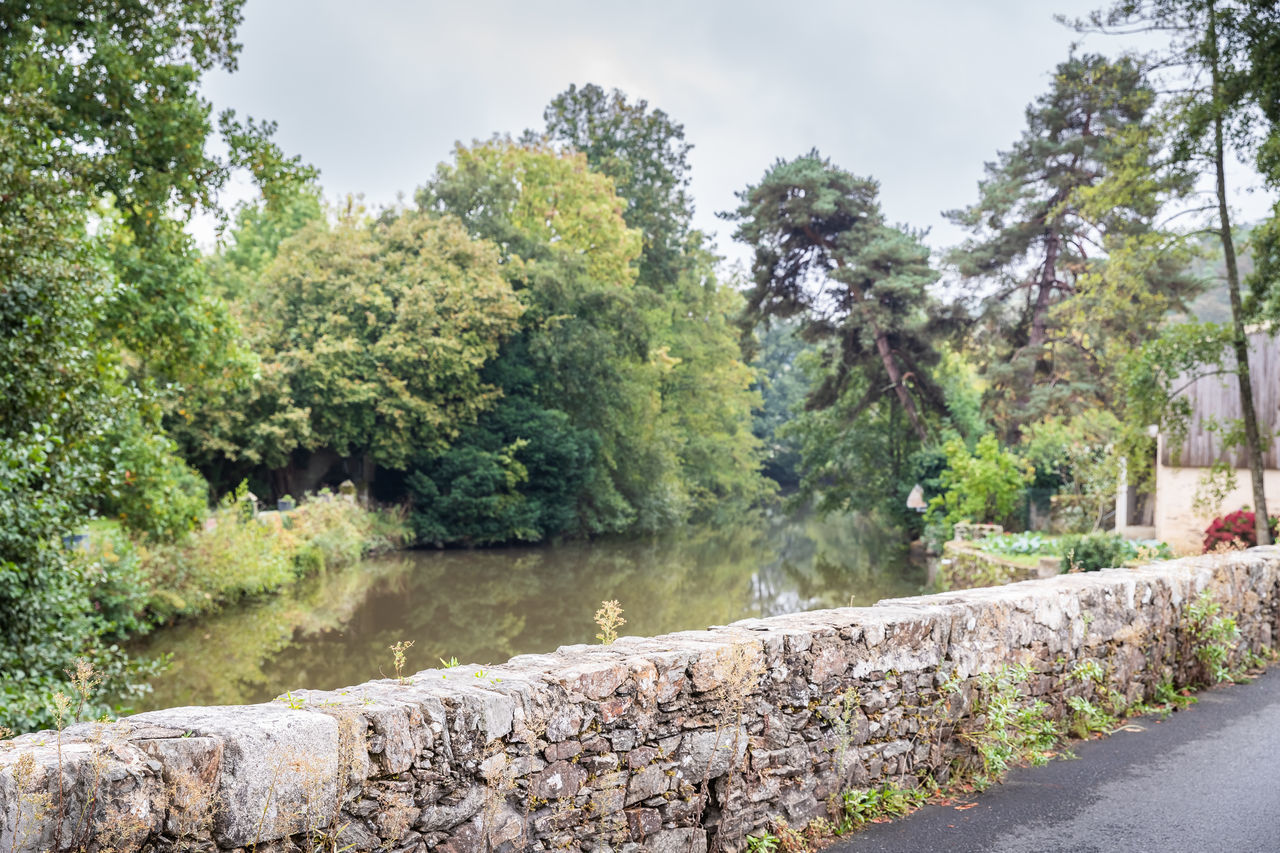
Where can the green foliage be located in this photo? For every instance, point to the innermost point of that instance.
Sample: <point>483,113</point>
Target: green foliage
<point>859,807</point>
<point>1053,221</point>
<point>157,494</point>
<point>1213,636</point>
<point>235,555</point>
<point>706,401</point>
<point>1214,69</point>
<point>119,585</point>
<point>985,486</point>
<point>1079,458</point>
<point>1026,543</point>
<point>783,385</point>
<point>855,290</point>
<point>644,153</point>
<point>867,469</point>
<point>824,254</point>
<point>1093,551</point>
<point>1160,368</point>
<point>1010,728</point>
<point>624,407</point>
<point>381,330</point>
<point>1098,713</point>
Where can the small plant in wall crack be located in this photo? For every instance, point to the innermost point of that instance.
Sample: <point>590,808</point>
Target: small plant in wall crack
<point>609,618</point>
<point>1010,730</point>
<point>855,809</point>
<point>398,657</point>
<point>1098,714</point>
<point>293,703</point>
<point>1213,637</point>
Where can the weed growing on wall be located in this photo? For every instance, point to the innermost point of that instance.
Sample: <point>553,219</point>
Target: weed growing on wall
<point>609,618</point>
<point>842,727</point>
<point>33,806</point>
<point>398,657</point>
<point>193,801</point>
<point>740,675</point>
<point>856,808</point>
<point>1008,730</point>
<point>1213,635</point>
<point>1099,712</point>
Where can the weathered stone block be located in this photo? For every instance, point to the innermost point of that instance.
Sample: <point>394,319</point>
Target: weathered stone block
<point>279,771</point>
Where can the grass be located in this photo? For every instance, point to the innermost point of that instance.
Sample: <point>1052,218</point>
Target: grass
<point>232,557</point>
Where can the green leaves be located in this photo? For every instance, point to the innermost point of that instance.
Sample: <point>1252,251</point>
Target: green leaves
<point>1064,262</point>
<point>641,379</point>
<point>379,331</point>
<point>985,486</point>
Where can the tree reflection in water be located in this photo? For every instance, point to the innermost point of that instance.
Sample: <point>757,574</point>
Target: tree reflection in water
<point>486,606</point>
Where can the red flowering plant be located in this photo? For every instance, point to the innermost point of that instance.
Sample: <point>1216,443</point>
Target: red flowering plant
<point>1234,530</point>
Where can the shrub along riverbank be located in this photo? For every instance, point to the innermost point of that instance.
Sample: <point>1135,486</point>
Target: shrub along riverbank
<point>129,584</point>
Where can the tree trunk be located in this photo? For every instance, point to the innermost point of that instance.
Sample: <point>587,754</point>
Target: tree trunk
<point>882,346</point>
<point>895,375</point>
<point>1040,313</point>
<point>886,357</point>
<point>1239,338</point>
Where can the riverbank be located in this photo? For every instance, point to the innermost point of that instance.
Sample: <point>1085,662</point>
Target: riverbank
<point>136,585</point>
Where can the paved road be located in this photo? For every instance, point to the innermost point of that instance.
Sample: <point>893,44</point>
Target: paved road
<point>1206,779</point>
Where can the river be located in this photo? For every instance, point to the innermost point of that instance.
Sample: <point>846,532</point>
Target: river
<point>484,606</point>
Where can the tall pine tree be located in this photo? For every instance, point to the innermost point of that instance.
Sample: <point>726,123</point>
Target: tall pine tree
<point>1040,241</point>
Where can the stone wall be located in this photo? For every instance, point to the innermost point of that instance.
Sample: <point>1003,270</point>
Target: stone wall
<point>964,566</point>
<point>683,742</point>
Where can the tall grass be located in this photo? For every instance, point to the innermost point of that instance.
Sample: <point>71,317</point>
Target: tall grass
<point>233,556</point>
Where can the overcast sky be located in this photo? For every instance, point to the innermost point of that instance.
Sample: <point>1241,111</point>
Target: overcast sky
<point>915,93</point>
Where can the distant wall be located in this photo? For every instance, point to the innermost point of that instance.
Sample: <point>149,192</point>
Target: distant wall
<point>963,566</point>
<point>669,743</point>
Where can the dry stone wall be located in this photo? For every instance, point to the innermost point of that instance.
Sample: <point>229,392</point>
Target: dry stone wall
<point>685,742</point>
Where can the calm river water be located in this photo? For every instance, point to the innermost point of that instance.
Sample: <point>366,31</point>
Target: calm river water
<point>485,606</point>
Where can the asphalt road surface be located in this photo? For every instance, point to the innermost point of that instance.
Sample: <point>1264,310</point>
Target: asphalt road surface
<point>1206,779</point>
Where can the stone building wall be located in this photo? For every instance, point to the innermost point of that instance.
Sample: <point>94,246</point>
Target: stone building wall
<point>683,742</point>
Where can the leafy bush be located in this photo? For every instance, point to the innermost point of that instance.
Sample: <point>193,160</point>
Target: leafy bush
<point>231,557</point>
<point>152,492</point>
<point>983,487</point>
<point>1148,549</point>
<point>1094,551</point>
<point>1235,530</point>
<point>118,585</point>
<point>235,556</point>
<point>1077,459</point>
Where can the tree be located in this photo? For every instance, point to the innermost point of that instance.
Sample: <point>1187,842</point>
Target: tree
<point>984,486</point>
<point>1208,69</point>
<point>585,341</point>
<point>705,390</point>
<point>1038,255</point>
<point>783,388</point>
<point>102,121</point>
<point>823,253</point>
<point>380,331</point>
<point>645,154</point>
